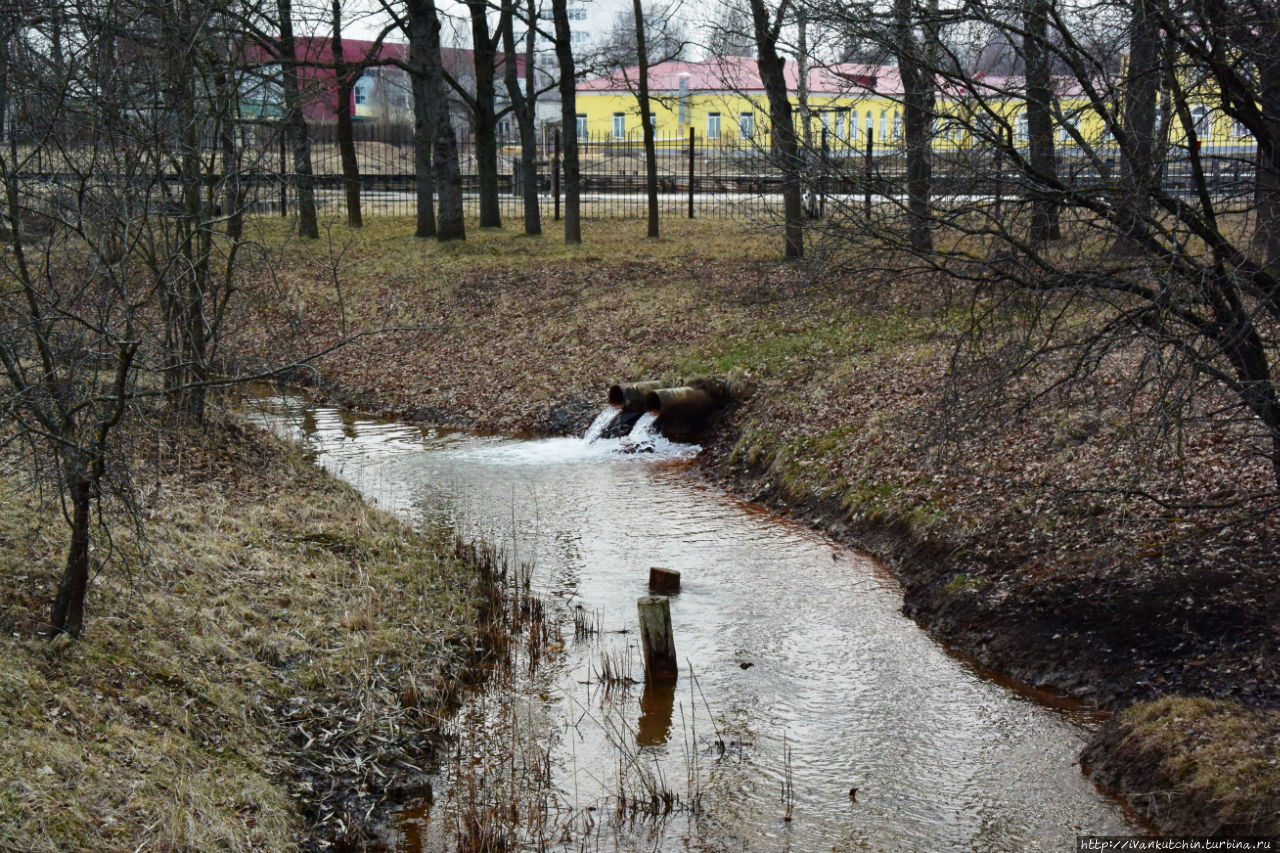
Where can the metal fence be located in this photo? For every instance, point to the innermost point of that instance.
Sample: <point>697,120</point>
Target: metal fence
<point>731,177</point>
<point>725,177</point>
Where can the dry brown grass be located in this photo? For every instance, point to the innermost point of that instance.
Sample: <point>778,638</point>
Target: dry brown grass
<point>241,689</point>
<point>1196,766</point>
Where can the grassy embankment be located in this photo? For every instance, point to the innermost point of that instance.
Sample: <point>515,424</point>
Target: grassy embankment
<point>256,675</point>
<point>1029,541</point>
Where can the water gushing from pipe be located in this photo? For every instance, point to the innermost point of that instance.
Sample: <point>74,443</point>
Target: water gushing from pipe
<point>600,424</point>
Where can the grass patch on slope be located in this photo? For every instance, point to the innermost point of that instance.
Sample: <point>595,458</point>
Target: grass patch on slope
<point>274,665</point>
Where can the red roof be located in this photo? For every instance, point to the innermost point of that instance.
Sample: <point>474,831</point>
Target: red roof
<point>318,51</point>
<point>318,79</point>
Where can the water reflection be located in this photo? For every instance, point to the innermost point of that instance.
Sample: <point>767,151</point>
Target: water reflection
<point>657,703</point>
<point>786,642</point>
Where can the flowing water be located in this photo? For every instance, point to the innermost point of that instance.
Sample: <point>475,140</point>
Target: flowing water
<point>800,677</point>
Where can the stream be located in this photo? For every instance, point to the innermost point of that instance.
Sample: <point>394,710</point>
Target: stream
<point>800,678</point>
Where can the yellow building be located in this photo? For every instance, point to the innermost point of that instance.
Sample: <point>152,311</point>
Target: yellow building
<point>723,99</point>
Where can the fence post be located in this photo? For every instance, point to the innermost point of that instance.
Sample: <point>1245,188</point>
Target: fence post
<point>284,173</point>
<point>555,176</point>
<point>691,144</point>
<point>867,176</point>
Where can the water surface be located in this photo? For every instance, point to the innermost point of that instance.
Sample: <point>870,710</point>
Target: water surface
<point>801,677</point>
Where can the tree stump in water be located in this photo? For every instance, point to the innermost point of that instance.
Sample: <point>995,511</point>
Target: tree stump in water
<point>663,581</point>
<point>660,666</point>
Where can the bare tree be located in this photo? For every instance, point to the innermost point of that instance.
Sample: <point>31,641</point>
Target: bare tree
<point>914,45</point>
<point>645,38</point>
<point>1043,162</point>
<point>296,124</point>
<point>1138,124</point>
<point>646,123</point>
<point>119,270</point>
<point>730,32</point>
<point>783,142</point>
<point>483,106</point>
<point>126,264</point>
<point>567,81</point>
<point>523,105</point>
<point>424,135</point>
<point>1188,305</point>
<point>423,25</point>
<point>344,82</point>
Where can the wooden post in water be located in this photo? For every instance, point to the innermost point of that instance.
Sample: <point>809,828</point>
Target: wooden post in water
<point>660,666</point>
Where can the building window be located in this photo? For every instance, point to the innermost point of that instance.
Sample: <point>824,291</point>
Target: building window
<point>581,124</point>
<point>853,126</point>
<point>713,125</point>
<point>1201,121</point>
<point>871,126</point>
<point>653,121</point>
<point>619,125</point>
<point>746,125</point>
<point>361,94</point>
<point>1020,128</point>
<point>884,125</point>
<point>897,125</point>
<point>839,129</point>
<point>1069,123</point>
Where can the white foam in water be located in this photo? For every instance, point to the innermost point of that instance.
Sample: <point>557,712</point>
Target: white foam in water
<point>645,438</point>
<point>644,442</point>
<point>598,425</point>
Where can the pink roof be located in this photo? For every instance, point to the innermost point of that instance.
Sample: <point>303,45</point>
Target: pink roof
<point>741,74</point>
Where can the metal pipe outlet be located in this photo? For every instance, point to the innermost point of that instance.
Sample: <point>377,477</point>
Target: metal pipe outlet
<point>631,396</point>
<point>679,404</point>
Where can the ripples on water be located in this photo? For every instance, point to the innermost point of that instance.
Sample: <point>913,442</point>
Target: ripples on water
<point>789,635</point>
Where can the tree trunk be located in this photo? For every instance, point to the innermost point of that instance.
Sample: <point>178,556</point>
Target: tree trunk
<point>424,27</point>
<point>186,277</point>
<point>1137,160</point>
<point>522,103</point>
<point>1043,161</point>
<point>68,608</point>
<point>802,78</point>
<point>646,126</point>
<point>782,130</point>
<point>1266,233</point>
<point>296,124</point>
<point>232,187</point>
<point>346,136</point>
<point>423,142</point>
<point>917,126</point>
<point>569,122</point>
<point>485,56</point>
